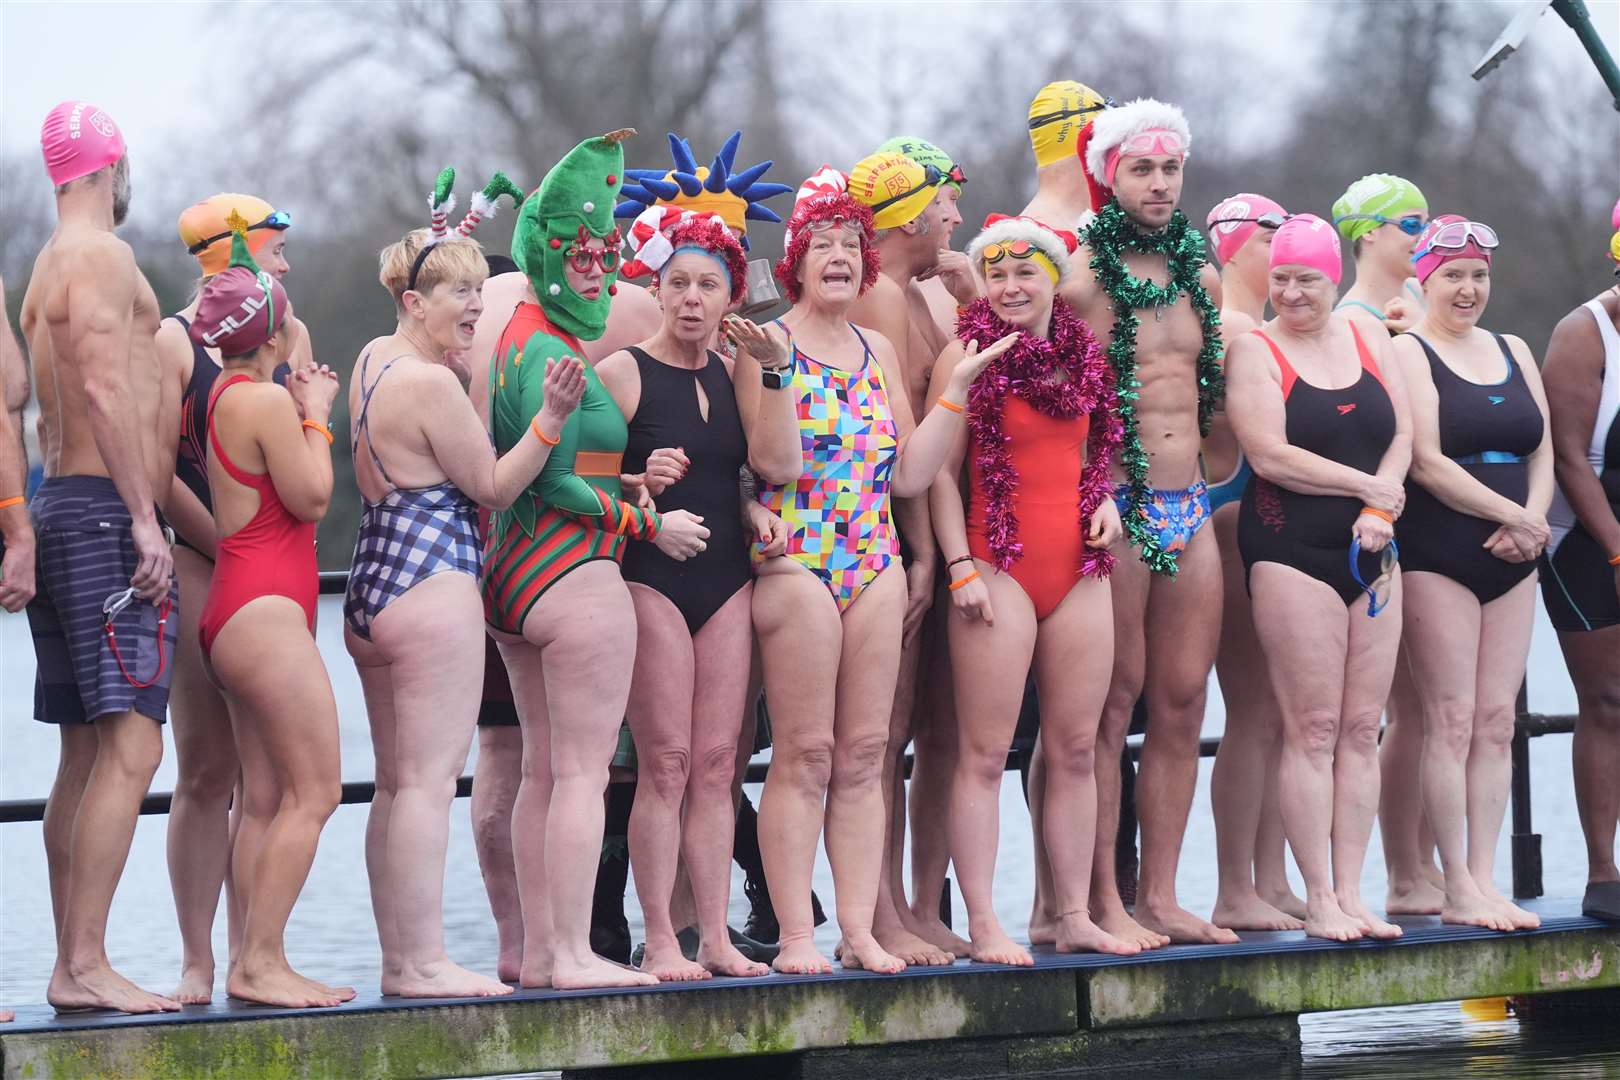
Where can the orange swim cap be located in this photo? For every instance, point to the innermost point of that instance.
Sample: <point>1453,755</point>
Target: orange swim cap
<point>206,235</point>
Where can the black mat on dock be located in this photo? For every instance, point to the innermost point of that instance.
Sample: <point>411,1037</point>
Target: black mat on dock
<point>1558,916</point>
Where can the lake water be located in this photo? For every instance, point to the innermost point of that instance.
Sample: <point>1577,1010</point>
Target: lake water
<point>331,935</point>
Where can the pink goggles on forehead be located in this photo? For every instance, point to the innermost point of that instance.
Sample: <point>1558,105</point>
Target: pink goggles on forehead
<point>1143,144</point>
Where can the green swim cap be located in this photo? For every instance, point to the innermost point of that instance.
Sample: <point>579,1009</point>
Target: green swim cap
<point>1383,194</point>
<point>925,153</point>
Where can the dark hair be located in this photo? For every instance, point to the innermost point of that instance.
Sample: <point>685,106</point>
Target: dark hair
<point>500,264</point>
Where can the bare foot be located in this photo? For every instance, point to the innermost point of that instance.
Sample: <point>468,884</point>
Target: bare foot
<point>801,958</point>
<point>667,963</point>
<point>1077,933</point>
<point>861,952</point>
<point>281,987</point>
<point>102,988</point>
<point>1252,913</point>
<point>1521,919</point>
<point>1414,898</point>
<point>991,945</point>
<point>1371,925</point>
<point>1435,875</point>
<point>342,993</point>
<point>7,1016</point>
<point>447,980</point>
<point>937,934</point>
<point>1119,923</point>
<point>1283,900</point>
<point>1325,920</point>
<point>509,966</point>
<point>1042,925</point>
<point>898,941</point>
<point>725,959</point>
<point>1182,926</point>
<point>597,972</point>
<point>1474,908</point>
<point>196,986</point>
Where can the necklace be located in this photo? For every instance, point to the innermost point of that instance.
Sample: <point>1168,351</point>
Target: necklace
<point>1110,234</point>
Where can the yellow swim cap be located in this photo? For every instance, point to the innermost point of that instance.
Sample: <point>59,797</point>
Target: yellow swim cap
<point>206,235</point>
<point>896,189</point>
<point>1057,116</point>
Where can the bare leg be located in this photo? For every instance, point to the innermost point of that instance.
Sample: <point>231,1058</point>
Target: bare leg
<point>891,921</point>
<point>1303,628</point>
<point>295,721</point>
<point>932,773</point>
<point>1368,667</point>
<point>1042,914</point>
<point>377,685</point>
<point>495,786</point>
<point>800,636</point>
<point>868,664</point>
<point>661,716</point>
<point>1130,584</point>
<point>127,751</point>
<point>1182,629</point>
<point>73,767</point>
<point>585,629</point>
<point>988,663</point>
<point>199,838</point>
<point>1593,657</point>
<point>434,639</point>
<point>1402,821</point>
<point>1504,646</point>
<point>1243,782</point>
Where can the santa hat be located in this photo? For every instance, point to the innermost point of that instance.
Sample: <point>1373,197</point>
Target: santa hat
<point>662,230</point>
<point>825,197</point>
<point>1113,128</point>
<point>1056,245</point>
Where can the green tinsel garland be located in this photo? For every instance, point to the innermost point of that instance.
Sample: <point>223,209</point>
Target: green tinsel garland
<point>1111,232</point>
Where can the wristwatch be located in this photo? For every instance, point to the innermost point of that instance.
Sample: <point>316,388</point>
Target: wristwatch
<point>777,378</point>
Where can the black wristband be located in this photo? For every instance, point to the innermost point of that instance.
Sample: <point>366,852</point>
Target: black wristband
<point>958,559</point>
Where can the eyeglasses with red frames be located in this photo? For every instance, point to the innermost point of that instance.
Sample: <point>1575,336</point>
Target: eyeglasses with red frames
<point>581,255</point>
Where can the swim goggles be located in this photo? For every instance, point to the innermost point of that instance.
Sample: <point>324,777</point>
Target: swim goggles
<point>1269,220</point>
<point>1455,235</point>
<point>1378,592</point>
<point>278,219</point>
<point>1063,114</point>
<point>1410,224</point>
<point>114,606</point>
<point>581,255</point>
<point>932,177</point>
<point>1018,249</point>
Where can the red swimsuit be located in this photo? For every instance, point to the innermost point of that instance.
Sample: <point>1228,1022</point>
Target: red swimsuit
<point>1048,453</point>
<point>272,555</point>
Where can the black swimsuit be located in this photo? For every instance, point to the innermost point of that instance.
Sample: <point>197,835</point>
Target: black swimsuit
<point>1311,533</point>
<point>1489,431</point>
<point>668,416</point>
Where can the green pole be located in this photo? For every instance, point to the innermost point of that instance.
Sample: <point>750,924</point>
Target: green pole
<point>1579,19</point>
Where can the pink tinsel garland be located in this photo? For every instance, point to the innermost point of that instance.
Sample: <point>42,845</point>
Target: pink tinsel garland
<point>1033,370</point>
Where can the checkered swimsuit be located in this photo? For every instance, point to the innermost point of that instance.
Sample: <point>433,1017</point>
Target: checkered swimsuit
<point>408,535</point>
<point>837,511</point>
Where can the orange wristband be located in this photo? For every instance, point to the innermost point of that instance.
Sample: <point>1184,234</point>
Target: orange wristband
<point>1377,513</point>
<point>1614,560</point>
<point>13,501</point>
<point>953,586</point>
<point>946,403</point>
<point>535,425</point>
<point>316,425</point>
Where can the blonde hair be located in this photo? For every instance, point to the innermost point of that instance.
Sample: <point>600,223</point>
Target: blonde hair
<point>455,258</point>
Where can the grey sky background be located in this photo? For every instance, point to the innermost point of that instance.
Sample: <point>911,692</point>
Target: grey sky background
<point>153,64</point>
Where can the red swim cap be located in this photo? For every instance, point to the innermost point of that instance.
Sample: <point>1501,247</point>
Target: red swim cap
<point>77,139</point>
<point>239,311</point>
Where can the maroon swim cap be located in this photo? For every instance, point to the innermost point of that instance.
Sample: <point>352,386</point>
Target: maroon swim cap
<point>239,311</point>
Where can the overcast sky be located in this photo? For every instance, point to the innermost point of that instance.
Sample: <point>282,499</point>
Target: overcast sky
<point>144,62</point>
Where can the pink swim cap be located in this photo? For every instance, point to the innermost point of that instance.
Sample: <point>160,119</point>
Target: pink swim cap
<point>1233,221</point>
<point>78,139</point>
<point>1464,243</point>
<point>1307,240</point>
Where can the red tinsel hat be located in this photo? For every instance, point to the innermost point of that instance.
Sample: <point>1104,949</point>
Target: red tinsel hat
<point>825,197</point>
<point>659,232</point>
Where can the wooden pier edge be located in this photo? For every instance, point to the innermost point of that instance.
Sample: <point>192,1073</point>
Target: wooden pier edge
<point>1067,1013</point>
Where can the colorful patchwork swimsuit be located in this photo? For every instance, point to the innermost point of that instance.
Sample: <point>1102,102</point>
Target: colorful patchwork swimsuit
<point>837,511</point>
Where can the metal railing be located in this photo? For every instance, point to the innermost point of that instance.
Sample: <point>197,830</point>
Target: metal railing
<point>1526,842</point>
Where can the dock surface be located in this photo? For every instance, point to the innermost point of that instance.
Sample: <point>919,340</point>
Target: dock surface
<point>980,1020</point>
